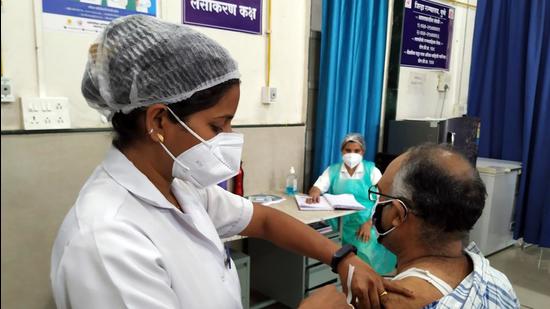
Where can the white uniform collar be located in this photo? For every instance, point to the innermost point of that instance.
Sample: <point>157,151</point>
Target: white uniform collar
<point>360,168</point>
<point>125,173</point>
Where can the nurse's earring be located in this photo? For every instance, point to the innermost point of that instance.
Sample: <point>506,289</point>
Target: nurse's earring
<point>160,137</point>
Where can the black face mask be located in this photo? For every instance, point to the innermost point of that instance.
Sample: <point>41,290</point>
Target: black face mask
<point>376,218</point>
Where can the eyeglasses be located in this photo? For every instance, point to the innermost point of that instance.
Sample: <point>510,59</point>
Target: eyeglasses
<point>374,194</point>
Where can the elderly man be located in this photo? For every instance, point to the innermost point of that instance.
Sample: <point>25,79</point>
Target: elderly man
<point>427,201</point>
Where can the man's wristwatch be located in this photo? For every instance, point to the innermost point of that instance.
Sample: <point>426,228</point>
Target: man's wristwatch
<point>340,255</point>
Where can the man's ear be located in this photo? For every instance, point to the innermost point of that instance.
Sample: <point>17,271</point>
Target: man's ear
<point>401,214</point>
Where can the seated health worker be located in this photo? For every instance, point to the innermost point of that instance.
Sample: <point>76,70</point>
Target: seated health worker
<point>355,175</point>
<point>146,228</point>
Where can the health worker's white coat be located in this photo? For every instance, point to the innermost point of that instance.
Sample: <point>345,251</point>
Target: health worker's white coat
<point>123,245</point>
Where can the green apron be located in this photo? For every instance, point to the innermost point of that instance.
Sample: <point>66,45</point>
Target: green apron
<point>376,255</point>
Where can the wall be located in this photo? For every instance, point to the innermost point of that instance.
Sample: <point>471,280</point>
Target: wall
<point>64,55</point>
<point>417,94</point>
<point>42,175</point>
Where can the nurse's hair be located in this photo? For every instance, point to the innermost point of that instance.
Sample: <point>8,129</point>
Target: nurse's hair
<point>443,189</point>
<point>139,60</point>
<point>130,128</point>
<point>353,138</point>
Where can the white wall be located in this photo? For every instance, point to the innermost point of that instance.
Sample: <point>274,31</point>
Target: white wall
<point>64,55</point>
<point>417,93</point>
<point>31,218</point>
<point>33,208</point>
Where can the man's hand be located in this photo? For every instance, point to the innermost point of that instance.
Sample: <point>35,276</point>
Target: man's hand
<point>367,286</point>
<point>314,195</point>
<point>363,233</point>
<point>326,297</point>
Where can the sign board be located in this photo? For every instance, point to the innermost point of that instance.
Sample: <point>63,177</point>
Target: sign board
<point>234,15</point>
<point>90,15</point>
<point>427,34</point>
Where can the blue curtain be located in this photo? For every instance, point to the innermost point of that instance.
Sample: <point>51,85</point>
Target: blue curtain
<point>510,92</point>
<point>353,41</point>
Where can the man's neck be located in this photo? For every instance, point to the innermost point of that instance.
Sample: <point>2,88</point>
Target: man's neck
<point>416,253</point>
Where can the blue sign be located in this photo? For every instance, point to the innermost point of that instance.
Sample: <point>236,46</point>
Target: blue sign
<point>427,34</point>
<point>235,15</point>
<point>105,10</point>
<point>91,15</point>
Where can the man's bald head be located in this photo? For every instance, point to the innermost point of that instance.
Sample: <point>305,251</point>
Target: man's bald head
<point>440,187</point>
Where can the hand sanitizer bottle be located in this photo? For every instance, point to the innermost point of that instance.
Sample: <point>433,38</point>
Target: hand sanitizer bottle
<point>291,182</point>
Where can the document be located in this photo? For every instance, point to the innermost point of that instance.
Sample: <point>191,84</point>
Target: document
<point>329,202</point>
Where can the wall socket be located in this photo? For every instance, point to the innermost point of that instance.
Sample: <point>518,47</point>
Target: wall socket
<point>46,113</point>
<point>269,95</point>
<point>7,95</point>
<point>443,81</point>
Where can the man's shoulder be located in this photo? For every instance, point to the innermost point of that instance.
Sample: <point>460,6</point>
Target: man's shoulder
<point>485,285</point>
<point>483,269</point>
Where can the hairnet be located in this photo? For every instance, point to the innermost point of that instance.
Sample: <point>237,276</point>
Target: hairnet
<point>354,137</point>
<point>139,60</point>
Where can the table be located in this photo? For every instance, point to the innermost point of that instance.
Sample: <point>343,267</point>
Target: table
<point>282,275</point>
<point>289,207</point>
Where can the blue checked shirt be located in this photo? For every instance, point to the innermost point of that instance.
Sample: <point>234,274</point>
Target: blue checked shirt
<point>485,287</point>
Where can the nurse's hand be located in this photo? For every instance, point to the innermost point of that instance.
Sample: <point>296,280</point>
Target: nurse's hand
<point>363,233</point>
<point>367,287</point>
<point>325,297</point>
<point>314,195</point>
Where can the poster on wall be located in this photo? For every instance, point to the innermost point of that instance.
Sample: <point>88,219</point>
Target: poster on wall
<point>87,16</point>
<point>234,15</point>
<point>427,34</point>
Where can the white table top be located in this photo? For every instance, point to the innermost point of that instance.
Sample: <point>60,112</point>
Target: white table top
<point>290,207</point>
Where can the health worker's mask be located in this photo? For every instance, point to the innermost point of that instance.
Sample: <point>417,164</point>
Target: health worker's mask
<point>352,159</point>
<point>376,218</point>
<point>209,162</point>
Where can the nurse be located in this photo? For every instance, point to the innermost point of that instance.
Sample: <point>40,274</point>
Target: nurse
<point>355,176</point>
<point>145,230</point>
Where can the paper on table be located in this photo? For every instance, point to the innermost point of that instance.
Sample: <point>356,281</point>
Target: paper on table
<point>343,201</point>
<point>303,205</point>
<point>329,202</point>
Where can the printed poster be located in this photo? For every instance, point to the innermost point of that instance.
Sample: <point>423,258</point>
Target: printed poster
<point>87,16</point>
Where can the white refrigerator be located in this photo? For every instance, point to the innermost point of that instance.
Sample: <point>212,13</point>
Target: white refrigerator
<point>493,231</point>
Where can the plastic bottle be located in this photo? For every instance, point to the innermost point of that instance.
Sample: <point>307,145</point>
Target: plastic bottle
<point>291,182</point>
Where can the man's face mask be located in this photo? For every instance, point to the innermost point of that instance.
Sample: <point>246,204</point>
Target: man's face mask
<point>376,217</point>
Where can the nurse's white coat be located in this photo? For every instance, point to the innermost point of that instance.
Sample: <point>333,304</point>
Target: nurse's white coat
<point>123,245</point>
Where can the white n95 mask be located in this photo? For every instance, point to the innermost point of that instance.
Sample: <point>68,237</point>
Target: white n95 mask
<point>352,159</point>
<point>209,162</point>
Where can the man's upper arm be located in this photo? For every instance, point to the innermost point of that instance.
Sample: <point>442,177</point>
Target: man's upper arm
<point>424,294</point>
